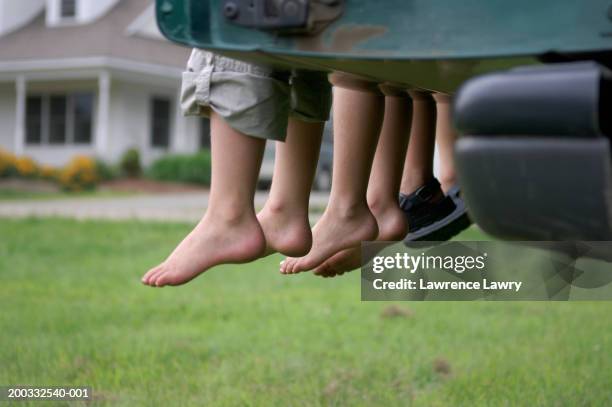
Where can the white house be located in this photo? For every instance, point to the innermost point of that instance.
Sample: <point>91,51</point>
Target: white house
<point>90,77</point>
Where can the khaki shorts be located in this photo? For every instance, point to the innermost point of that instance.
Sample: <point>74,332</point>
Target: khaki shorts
<point>253,99</point>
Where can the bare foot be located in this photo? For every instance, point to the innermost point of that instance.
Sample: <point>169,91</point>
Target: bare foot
<point>286,232</point>
<point>336,230</point>
<point>213,241</point>
<point>392,226</point>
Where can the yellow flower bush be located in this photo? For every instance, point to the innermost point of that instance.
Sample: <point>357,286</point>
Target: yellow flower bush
<point>7,163</point>
<point>81,173</point>
<point>26,167</point>
<point>48,172</point>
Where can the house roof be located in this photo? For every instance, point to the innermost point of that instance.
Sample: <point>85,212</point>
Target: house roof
<point>108,36</point>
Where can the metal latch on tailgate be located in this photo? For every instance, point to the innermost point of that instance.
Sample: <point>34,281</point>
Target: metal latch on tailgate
<point>283,16</point>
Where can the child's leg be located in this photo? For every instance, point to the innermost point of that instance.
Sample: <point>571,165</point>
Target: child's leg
<point>388,166</point>
<point>446,135</point>
<point>247,104</point>
<point>347,219</point>
<point>229,231</point>
<point>431,214</point>
<point>418,168</point>
<point>383,187</point>
<point>445,138</point>
<point>284,218</point>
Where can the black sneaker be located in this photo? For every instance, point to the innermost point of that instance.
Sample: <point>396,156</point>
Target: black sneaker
<point>461,216</point>
<point>431,215</point>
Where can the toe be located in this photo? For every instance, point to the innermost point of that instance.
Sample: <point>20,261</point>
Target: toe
<point>328,270</point>
<point>301,265</point>
<point>321,270</point>
<point>291,266</point>
<point>162,280</point>
<point>329,273</point>
<point>145,279</point>
<point>286,265</point>
<point>154,277</point>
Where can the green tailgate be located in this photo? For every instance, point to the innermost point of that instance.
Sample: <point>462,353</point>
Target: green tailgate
<point>430,44</point>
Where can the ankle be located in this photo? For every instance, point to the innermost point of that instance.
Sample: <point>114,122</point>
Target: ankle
<point>380,204</point>
<point>349,210</point>
<point>230,215</point>
<point>390,218</point>
<point>392,225</point>
<point>447,181</point>
<point>285,209</point>
<point>414,181</point>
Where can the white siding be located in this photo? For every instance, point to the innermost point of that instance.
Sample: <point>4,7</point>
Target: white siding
<point>90,10</point>
<point>15,13</point>
<point>192,133</point>
<point>131,122</point>
<point>128,127</point>
<point>57,155</point>
<point>87,11</point>
<point>7,115</point>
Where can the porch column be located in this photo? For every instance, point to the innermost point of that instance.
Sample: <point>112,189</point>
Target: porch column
<point>20,113</point>
<point>103,116</point>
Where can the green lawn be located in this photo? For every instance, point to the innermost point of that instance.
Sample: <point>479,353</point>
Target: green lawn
<point>73,312</point>
<point>10,194</point>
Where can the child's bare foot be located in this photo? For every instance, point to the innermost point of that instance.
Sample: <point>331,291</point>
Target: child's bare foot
<point>286,232</point>
<point>215,240</point>
<point>392,226</point>
<point>336,230</point>
<point>340,263</point>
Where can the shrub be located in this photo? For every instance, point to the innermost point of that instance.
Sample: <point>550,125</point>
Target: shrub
<point>48,172</point>
<point>130,163</point>
<point>79,174</point>
<point>105,171</point>
<point>26,167</point>
<point>194,168</point>
<point>7,164</point>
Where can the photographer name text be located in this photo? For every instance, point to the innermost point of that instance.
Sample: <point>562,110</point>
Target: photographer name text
<point>432,263</point>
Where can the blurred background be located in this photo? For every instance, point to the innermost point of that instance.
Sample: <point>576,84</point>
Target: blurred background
<point>101,177</point>
<point>96,80</point>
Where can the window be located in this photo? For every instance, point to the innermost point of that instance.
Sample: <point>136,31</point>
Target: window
<point>34,120</point>
<point>68,8</point>
<point>160,122</point>
<point>83,115</point>
<point>204,132</point>
<point>59,118</point>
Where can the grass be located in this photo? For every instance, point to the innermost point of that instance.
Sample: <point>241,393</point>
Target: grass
<point>10,194</point>
<point>75,313</point>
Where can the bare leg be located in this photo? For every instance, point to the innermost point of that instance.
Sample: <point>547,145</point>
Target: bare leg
<point>445,138</point>
<point>229,231</point>
<point>418,168</point>
<point>284,218</point>
<point>347,220</point>
<point>383,187</point>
